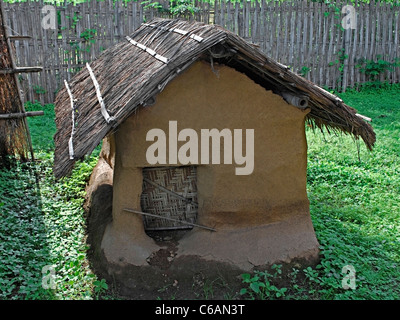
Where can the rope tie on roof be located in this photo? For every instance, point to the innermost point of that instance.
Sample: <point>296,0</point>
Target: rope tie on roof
<point>148,50</point>
<point>70,142</point>
<point>176,30</point>
<point>104,111</point>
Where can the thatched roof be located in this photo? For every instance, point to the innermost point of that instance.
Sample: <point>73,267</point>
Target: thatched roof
<point>134,71</point>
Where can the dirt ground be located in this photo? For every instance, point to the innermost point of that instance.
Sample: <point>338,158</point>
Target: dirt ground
<point>213,284</point>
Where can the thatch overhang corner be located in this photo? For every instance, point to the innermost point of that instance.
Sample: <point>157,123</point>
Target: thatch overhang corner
<point>134,71</point>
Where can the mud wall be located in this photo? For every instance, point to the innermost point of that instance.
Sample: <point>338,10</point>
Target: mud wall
<point>263,217</point>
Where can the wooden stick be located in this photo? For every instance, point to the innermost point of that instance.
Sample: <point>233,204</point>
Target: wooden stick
<point>19,37</point>
<point>71,142</point>
<point>21,70</point>
<point>170,219</point>
<point>176,30</point>
<point>148,50</point>
<point>21,115</point>
<point>363,117</point>
<point>104,111</point>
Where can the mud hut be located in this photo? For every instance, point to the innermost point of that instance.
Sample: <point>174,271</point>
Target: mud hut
<point>208,138</point>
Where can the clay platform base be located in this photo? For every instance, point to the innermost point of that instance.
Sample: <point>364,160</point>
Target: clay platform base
<point>243,248</point>
<point>140,266</point>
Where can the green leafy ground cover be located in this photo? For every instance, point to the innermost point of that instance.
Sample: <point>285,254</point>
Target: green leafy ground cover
<point>42,224</point>
<point>355,208</point>
<point>354,203</point>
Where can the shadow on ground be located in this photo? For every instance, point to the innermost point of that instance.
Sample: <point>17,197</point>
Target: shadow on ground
<point>24,249</point>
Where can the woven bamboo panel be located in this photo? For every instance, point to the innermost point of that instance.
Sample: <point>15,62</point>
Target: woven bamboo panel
<point>164,193</point>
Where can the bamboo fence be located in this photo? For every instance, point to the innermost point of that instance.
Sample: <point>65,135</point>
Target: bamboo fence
<point>307,36</point>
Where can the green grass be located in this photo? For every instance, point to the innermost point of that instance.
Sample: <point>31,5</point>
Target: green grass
<point>354,204</point>
<point>355,208</point>
<point>354,200</point>
<point>42,223</point>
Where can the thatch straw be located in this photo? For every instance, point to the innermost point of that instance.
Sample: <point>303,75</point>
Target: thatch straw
<point>129,75</point>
